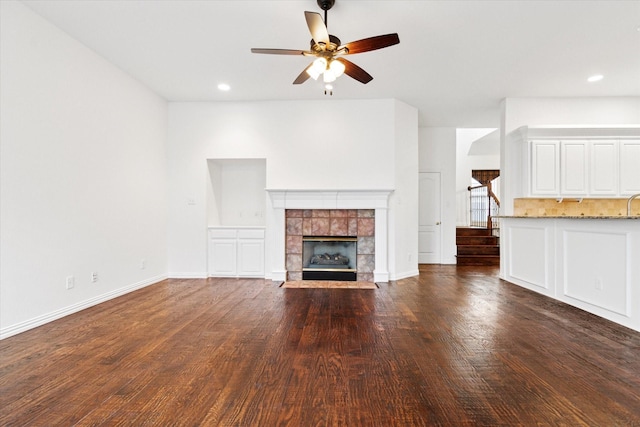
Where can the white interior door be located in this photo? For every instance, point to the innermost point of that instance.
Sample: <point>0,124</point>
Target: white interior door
<point>429,229</point>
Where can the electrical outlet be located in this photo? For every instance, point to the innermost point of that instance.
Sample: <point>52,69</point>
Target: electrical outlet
<point>94,277</point>
<point>599,283</point>
<point>71,282</point>
<point>143,264</point>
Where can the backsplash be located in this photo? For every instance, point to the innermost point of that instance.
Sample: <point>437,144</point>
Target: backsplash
<point>570,206</point>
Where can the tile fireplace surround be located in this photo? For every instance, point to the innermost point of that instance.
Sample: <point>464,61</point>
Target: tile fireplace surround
<point>358,223</point>
<point>363,212</point>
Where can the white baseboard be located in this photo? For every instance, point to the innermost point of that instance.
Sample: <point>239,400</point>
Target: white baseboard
<point>405,274</point>
<point>58,314</point>
<point>188,275</point>
<point>277,275</point>
<point>380,276</point>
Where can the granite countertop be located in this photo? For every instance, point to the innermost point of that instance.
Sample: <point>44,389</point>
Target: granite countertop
<point>637,217</point>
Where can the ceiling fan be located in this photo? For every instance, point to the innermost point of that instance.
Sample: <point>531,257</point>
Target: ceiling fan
<point>330,52</point>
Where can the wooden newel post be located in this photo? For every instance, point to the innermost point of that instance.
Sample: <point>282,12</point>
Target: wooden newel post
<point>489,192</point>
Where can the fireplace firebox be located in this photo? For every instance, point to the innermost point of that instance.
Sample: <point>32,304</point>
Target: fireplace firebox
<point>329,258</point>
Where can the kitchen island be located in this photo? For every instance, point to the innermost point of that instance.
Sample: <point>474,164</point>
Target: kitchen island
<point>589,262</point>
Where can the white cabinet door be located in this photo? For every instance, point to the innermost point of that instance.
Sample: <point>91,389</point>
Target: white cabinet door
<point>603,172</point>
<point>251,252</point>
<point>222,257</point>
<point>236,252</point>
<point>250,258</point>
<point>573,167</point>
<point>629,167</point>
<point>545,166</point>
<point>598,166</point>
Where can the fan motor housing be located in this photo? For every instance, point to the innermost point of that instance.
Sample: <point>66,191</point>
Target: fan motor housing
<point>334,44</point>
<point>326,4</point>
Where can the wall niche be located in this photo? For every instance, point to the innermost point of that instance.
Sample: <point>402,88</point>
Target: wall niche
<point>236,192</point>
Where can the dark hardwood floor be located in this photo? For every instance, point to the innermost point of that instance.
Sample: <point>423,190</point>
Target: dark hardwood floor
<point>454,347</point>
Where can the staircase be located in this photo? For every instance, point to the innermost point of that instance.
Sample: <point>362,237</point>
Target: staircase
<point>476,246</point>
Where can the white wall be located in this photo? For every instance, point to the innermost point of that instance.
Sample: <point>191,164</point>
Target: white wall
<point>571,111</point>
<point>437,153</point>
<point>466,163</point>
<point>584,112</point>
<point>403,242</point>
<point>327,144</point>
<point>82,175</point>
<point>236,195</point>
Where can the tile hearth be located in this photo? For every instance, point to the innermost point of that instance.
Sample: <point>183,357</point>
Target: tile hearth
<point>327,284</point>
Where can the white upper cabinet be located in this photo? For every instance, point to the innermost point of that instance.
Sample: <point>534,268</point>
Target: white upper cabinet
<point>572,162</point>
<point>545,167</point>
<point>574,158</point>
<point>629,167</point>
<point>604,168</point>
<point>583,168</point>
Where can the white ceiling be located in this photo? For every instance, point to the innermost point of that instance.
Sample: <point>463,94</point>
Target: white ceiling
<point>456,59</point>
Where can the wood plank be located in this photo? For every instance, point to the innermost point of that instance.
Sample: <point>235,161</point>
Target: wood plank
<point>454,346</point>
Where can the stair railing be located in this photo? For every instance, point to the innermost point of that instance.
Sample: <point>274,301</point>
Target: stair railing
<point>484,206</point>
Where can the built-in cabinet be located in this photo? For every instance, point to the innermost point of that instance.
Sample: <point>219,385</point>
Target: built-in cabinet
<point>629,167</point>
<point>236,252</point>
<point>236,205</point>
<point>588,263</point>
<point>603,164</point>
<point>574,174</point>
<point>582,167</point>
<point>545,167</point>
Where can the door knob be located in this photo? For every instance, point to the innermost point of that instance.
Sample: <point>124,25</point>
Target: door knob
<point>438,223</point>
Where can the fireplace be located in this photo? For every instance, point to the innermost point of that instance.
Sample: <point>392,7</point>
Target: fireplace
<point>346,233</point>
<point>341,213</point>
<point>329,258</point>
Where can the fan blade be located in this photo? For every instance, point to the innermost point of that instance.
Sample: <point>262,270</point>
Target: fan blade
<point>372,43</point>
<point>280,51</point>
<point>303,77</point>
<point>355,72</point>
<point>317,28</point>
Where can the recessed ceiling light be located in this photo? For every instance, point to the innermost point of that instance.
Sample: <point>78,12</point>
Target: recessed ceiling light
<point>595,78</point>
<point>224,87</point>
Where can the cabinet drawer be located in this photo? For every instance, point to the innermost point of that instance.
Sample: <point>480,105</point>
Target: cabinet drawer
<point>222,233</point>
<point>251,233</point>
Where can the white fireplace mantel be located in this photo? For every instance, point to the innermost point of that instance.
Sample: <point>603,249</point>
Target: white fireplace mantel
<point>330,199</point>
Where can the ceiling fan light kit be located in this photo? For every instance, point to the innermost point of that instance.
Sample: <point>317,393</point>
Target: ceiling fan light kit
<point>330,71</point>
<point>330,52</point>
